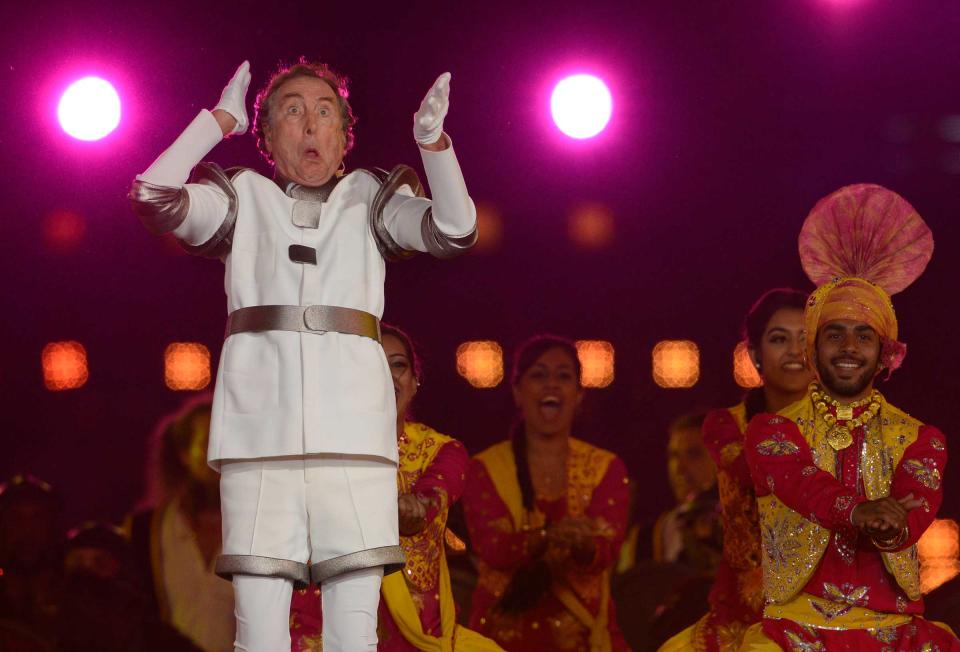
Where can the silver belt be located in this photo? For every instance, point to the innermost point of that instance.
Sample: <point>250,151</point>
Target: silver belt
<point>304,319</point>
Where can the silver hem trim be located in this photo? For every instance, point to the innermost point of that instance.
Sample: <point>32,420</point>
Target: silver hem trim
<point>390,557</point>
<point>229,565</point>
<point>220,243</point>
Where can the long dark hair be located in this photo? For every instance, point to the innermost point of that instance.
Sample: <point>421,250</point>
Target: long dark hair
<point>755,324</point>
<point>532,581</point>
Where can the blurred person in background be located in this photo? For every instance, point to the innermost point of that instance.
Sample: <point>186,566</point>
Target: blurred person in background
<point>103,606</point>
<point>417,610</point>
<point>176,537</point>
<point>773,331</point>
<point>31,553</point>
<point>546,514</point>
<point>665,572</point>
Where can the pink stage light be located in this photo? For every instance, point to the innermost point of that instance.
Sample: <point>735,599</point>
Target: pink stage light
<point>581,106</point>
<point>89,109</point>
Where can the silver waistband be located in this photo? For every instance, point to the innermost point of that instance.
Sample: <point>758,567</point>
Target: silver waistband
<point>304,319</point>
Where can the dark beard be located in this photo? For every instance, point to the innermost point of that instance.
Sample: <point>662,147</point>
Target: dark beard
<point>846,388</point>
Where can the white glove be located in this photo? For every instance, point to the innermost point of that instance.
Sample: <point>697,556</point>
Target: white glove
<point>428,121</point>
<point>233,99</point>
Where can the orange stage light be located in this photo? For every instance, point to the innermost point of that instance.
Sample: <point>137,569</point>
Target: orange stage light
<point>596,362</point>
<point>481,363</point>
<point>64,365</point>
<point>676,364</point>
<point>939,552</point>
<point>186,366</point>
<point>489,227</point>
<point>744,371</point>
<point>591,225</point>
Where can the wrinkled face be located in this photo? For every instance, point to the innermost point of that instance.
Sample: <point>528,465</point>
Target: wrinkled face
<point>848,357</point>
<point>781,352</point>
<point>401,368</point>
<point>689,466</point>
<point>549,393</point>
<point>194,457</point>
<point>305,136</point>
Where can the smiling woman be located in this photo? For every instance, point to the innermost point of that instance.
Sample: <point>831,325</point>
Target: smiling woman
<point>546,514</point>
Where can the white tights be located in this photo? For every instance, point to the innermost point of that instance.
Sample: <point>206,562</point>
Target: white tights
<point>349,612</point>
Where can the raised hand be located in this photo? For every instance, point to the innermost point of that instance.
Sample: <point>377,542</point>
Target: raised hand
<point>233,103</point>
<point>428,120</point>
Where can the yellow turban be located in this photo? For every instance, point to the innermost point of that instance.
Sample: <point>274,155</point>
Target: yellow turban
<point>858,300</point>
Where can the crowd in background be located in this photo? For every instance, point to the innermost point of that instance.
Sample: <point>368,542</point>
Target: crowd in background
<point>532,544</point>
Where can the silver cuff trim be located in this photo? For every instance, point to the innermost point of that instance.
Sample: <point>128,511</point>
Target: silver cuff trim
<point>441,245</point>
<point>160,208</point>
<point>230,565</point>
<point>401,175</point>
<point>304,319</point>
<point>220,242</point>
<point>390,557</point>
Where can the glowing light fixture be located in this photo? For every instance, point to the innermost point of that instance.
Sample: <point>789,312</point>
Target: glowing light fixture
<point>596,362</point>
<point>581,106</point>
<point>186,366</point>
<point>481,363</point>
<point>939,552</point>
<point>89,109</point>
<point>64,366</point>
<point>744,371</point>
<point>676,364</point>
<point>591,225</point>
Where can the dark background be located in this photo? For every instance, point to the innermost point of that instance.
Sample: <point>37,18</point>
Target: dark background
<point>731,119</point>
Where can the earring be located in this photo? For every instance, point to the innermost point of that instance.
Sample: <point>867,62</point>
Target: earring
<point>342,169</point>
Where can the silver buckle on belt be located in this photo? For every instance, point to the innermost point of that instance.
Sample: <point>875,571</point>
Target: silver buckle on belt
<point>313,319</point>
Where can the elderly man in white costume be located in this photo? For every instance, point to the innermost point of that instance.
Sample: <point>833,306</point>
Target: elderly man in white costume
<point>303,427</point>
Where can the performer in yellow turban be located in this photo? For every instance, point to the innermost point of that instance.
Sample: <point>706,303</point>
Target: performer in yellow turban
<point>846,483</point>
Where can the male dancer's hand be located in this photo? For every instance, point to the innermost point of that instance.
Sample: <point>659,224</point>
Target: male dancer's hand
<point>231,112</point>
<point>428,120</point>
<point>881,517</point>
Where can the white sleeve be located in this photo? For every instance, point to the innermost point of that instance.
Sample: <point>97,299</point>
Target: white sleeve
<point>445,226</point>
<point>166,203</point>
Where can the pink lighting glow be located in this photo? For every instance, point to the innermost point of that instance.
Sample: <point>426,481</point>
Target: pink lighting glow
<point>581,106</point>
<point>89,109</point>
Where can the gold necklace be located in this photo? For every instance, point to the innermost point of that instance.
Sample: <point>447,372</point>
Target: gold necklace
<point>841,435</point>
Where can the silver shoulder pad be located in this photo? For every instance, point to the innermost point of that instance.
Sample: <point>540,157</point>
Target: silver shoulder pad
<point>401,175</point>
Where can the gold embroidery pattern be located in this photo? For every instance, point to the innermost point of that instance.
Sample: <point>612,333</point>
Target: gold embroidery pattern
<point>855,596</point>
<point>937,444</point>
<point>778,445</point>
<point>418,448</point>
<point>797,644</point>
<point>925,472</point>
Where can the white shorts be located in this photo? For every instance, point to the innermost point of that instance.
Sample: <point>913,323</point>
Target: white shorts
<point>339,512</point>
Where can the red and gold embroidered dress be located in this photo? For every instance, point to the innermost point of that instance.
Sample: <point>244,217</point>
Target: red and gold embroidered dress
<point>577,612</point>
<point>827,586</point>
<point>736,600</point>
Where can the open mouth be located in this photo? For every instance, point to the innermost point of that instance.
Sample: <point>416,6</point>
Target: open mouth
<point>311,152</point>
<point>550,407</point>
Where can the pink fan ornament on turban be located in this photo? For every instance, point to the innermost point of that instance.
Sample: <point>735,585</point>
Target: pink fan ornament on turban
<point>859,245</point>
